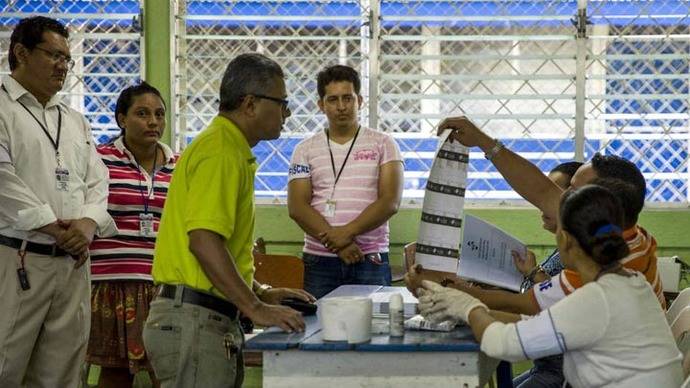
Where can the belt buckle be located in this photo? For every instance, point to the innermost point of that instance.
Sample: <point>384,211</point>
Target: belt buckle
<point>54,250</point>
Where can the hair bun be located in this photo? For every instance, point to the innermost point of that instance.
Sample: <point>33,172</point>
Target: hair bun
<point>609,248</point>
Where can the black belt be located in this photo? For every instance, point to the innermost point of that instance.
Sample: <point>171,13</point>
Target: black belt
<point>191,296</point>
<point>41,249</point>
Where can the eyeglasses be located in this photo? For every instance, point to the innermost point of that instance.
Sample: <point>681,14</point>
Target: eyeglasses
<point>58,57</point>
<point>282,101</point>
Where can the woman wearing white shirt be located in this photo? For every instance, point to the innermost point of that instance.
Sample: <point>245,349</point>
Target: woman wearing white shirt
<point>611,331</point>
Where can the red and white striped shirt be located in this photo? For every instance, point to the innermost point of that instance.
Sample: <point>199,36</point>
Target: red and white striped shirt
<point>129,255</point>
<point>642,258</point>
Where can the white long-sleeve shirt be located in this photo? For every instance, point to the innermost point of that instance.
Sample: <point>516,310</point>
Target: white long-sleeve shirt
<point>612,333</point>
<point>29,198</point>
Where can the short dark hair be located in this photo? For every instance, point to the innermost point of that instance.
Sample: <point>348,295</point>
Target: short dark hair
<point>626,193</point>
<point>567,168</point>
<point>247,74</point>
<point>337,73</point>
<point>612,166</point>
<point>126,99</point>
<point>29,32</point>
<point>594,216</point>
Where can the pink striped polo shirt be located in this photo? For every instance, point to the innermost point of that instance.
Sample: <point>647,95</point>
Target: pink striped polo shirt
<point>357,187</point>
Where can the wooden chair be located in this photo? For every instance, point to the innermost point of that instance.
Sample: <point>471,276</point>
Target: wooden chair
<point>279,270</point>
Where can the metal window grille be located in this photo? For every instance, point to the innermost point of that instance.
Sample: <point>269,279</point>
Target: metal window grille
<point>105,43</point>
<point>555,82</point>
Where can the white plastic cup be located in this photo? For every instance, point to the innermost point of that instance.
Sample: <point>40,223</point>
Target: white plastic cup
<point>346,319</point>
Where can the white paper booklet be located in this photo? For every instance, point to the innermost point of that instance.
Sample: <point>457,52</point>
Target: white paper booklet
<point>486,255</point>
<point>438,240</point>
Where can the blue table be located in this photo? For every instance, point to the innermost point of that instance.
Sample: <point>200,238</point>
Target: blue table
<point>419,359</point>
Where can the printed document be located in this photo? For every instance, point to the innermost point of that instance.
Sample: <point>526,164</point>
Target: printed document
<point>485,255</point>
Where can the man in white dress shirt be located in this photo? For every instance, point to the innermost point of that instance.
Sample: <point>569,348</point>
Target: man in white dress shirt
<point>53,199</point>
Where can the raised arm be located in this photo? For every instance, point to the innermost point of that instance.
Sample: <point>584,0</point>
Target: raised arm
<point>523,176</point>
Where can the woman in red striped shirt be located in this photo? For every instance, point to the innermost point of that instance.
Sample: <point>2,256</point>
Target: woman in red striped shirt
<point>140,167</point>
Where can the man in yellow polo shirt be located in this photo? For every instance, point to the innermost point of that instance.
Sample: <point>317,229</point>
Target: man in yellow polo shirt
<point>203,256</point>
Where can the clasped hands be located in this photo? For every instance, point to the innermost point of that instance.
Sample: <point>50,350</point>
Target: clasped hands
<point>340,240</point>
<point>74,236</point>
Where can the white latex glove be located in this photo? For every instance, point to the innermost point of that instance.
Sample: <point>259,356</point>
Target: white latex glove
<point>438,303</point>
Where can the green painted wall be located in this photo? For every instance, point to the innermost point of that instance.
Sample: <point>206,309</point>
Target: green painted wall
<point>670,227</point>
<point>158,54</point>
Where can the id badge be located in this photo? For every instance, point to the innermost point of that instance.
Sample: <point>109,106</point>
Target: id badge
<point>146,225</point>
<point>330,208</point>
<point>61,179</point>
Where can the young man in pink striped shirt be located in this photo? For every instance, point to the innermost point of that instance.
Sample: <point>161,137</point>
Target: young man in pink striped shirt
<point>345,182</point>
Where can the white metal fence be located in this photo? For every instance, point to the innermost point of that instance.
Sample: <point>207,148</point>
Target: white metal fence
<point>106,44</point>
<point>554,81</point>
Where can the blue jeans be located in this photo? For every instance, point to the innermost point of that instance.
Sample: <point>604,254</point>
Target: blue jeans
<point>323,274</point>
<point>546,373</point>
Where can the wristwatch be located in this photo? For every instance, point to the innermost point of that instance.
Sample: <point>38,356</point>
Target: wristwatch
<point>262,288</point>
<point>494,150</point>
<point>534,272</point>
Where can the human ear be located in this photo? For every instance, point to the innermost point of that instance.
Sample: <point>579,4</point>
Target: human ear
<point>20,52</point>
<point>248,106</point>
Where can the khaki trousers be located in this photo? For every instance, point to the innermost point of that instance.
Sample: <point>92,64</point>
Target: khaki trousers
<point>44,330</point>
<point>190,346</point>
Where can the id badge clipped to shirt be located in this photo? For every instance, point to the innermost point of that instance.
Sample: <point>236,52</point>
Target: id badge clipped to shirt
<point>330,208</point>
<point>61,179</point>
<point>146,225</point>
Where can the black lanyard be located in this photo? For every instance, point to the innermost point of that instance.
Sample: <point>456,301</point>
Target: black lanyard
<point>328,143</point>
<point>55,142</point>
